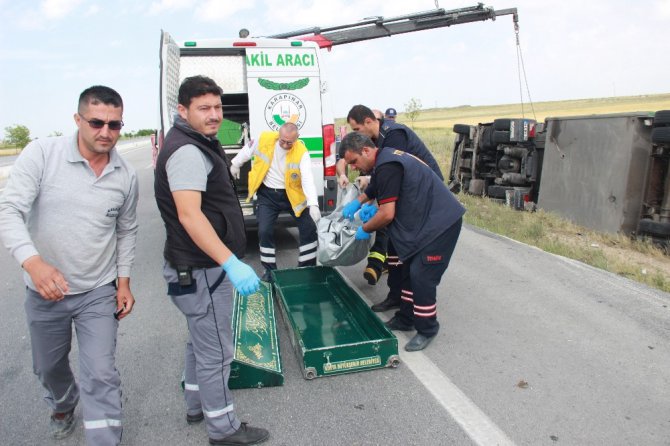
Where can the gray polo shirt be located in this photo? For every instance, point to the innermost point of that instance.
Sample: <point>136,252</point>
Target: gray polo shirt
<point>54,205</point>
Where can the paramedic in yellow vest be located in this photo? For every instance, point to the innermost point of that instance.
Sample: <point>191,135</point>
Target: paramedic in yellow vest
<point>281,177</point>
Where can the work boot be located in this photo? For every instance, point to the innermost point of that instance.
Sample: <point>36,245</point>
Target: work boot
<point>62,424</point>
<point>267,276</point>
<point>195,419</point>
<point>244,435</point>
<point>374,270</point>
<point>396,324</point>
<point>386,304</point>
<point>418,342</point>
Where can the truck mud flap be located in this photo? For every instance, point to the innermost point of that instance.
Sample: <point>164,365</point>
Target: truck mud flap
<point>332,329</point>
<point>256,362</point>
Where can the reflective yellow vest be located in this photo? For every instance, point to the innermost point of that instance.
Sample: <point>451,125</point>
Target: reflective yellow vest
<point>293,180</point>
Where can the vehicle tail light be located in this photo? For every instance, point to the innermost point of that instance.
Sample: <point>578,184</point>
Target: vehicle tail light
<point>329,158</point>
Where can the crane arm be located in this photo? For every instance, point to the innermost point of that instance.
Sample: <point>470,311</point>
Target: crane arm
<point>376,27</point>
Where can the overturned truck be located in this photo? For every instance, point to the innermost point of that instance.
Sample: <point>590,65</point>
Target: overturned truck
<point>607,172</point>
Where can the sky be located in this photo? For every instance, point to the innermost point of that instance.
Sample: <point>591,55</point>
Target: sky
<point>51,50</point>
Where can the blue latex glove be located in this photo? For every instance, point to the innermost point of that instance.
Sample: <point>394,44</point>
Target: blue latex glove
<point>367,212</point>
<point>242,276</point>
<point>361,234</point>
<point>350,209</point>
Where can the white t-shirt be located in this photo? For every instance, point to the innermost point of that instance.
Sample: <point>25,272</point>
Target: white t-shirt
<point>276,174</point>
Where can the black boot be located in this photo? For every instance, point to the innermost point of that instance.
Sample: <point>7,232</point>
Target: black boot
<point>386,304</point>
<point>267,276</point>
<point>374,270</point>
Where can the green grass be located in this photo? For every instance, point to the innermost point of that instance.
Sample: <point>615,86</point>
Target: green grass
<point>638,260</point>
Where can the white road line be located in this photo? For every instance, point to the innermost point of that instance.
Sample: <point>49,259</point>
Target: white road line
<point>475,423</point>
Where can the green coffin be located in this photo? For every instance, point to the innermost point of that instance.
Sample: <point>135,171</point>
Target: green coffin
<point>256,362</point>
<point>332,329</point>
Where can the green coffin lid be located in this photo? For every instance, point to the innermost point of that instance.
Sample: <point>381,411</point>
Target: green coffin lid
<point>256,362</point>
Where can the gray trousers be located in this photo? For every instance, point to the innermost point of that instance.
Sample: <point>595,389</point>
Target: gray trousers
<point>208,307</point>
<point>50,325</point>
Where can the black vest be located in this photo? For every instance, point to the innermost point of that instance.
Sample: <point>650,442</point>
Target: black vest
<point>425,208</point>
<point>219,202</point>
<point>414,144</point>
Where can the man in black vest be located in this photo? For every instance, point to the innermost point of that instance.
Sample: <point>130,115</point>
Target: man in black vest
<point>205,238</point>
<point>384,133</point>
<point>423,221</point>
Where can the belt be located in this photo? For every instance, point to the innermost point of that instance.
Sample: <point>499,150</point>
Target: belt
<point>193,268</point>
<point>282,190</point>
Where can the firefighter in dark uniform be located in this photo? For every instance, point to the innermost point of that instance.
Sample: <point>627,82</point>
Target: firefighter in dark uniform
<point>384,133</point>
<point>423,221</point>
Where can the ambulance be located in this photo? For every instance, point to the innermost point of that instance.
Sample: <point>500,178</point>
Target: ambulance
<point>266,82</point>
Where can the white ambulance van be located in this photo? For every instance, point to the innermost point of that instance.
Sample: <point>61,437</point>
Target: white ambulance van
<point>265,82</point>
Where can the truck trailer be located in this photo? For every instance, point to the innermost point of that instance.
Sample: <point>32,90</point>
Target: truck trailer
<point>608,172</point>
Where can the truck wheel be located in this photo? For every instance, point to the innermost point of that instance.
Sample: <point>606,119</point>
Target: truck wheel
<point>656,228</point>
<point>462,129</point>
<point>500,136</point>
<point>662,118</point>
<point>502,124</point>
<point>660,135</point>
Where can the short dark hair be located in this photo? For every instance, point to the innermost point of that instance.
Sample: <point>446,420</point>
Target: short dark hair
<point>354,142</point>
<point>359,112</point>
<point>196,86</point>
<point>99,94</point>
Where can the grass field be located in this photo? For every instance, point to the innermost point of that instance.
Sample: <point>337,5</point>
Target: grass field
<point>638,260</point>
<point>447,117</point>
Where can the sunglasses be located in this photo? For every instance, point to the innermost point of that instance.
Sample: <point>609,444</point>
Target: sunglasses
<point>98,123</point>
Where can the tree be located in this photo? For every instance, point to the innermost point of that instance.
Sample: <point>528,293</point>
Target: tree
<point>55,133</point>
<point>413,109</point>
<point>17,135</point>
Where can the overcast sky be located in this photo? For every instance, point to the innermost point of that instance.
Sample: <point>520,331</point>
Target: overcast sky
<point>53,49</point>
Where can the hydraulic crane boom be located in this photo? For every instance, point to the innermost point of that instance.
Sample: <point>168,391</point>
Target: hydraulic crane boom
<point>376,27</point>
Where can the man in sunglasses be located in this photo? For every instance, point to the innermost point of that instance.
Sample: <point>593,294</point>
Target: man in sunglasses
<point>76,254</point>
<point>281,176</point>
<point>205,239</point>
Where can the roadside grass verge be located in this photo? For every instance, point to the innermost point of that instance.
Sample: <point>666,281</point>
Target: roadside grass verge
<point>5,150</point>
<point>638,260</point>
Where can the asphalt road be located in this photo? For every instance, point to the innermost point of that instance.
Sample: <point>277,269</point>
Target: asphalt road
<point>534,349</point>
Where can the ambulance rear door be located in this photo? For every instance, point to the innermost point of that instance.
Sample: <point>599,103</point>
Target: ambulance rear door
<point>284,86</point>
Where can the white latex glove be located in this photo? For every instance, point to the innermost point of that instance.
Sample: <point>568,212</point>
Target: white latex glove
<point>235,171</point>
<point>315,213</point>
<point>362,182</point>
<point>343,181</point>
